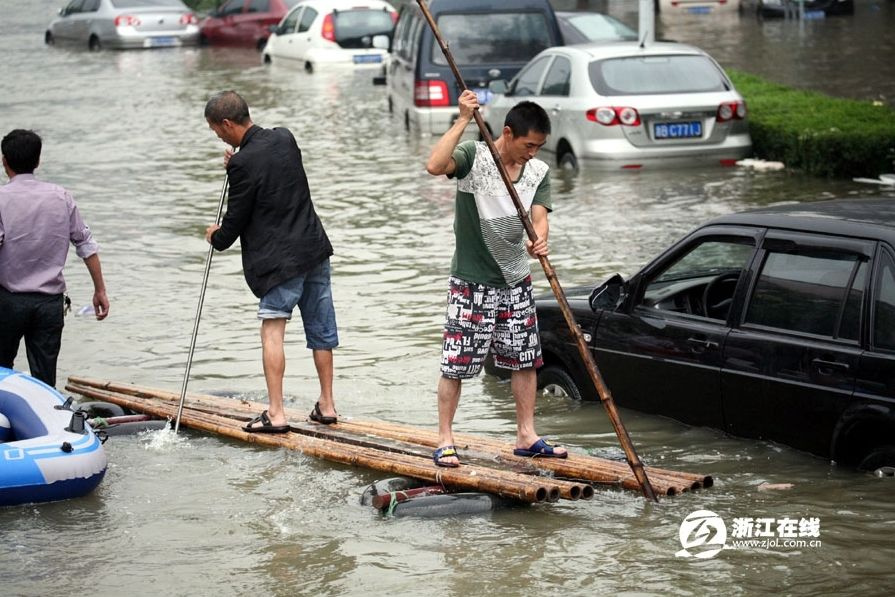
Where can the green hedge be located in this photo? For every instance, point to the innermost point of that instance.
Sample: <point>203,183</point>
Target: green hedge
<point>816,133</point>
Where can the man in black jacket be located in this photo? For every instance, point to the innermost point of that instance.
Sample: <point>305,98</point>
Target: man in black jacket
<point>285,251</point>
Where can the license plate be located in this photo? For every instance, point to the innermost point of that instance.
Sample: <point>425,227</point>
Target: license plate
<point>367,58</point>
<point>677,130</point>
<point>483,94</point>
<point>699,10</point>
<point>161,42</point>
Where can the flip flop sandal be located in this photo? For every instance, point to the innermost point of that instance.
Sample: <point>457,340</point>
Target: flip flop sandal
<point>265,425</point>
<point>318,417</point>
<point>542,448</point>
<point>445,452</point>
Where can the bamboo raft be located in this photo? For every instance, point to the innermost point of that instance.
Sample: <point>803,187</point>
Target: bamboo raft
<point>488,464</point>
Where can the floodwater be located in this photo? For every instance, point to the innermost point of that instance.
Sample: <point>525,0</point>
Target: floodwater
<point>201,515</point>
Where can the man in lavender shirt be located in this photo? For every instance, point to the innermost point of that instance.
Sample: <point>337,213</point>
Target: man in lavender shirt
<point>37,221</point>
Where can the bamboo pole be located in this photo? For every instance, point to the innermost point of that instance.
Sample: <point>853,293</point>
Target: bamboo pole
<point>587,358</point>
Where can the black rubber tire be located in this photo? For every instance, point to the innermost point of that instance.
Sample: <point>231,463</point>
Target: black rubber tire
<point>49,39</point>
<point>879,457</point>
<point>94,44</point>
<point>555,381</point>
<point>260,44</point>
<point>309,68</point>
<point>568,162</point>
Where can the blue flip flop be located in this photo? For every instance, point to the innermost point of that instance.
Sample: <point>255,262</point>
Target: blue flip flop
<point>542,448</point>
<point>443,452</point>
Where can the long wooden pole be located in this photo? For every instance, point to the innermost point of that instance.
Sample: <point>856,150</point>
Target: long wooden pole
<point>605,397</point>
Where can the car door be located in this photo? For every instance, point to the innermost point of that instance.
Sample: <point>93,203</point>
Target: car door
<point>554,98</point>
<point>303,38</point>
<point>661,353</point>
<point>66,27</point>
<point>280,44</point>
<point>789,365</point>
<point>230,14</point>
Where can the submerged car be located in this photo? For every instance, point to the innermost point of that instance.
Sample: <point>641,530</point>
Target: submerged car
<point>779,8</point>
<point>777,324</point>
<point>582,27</point>
<point>620,105</point>
<point>317,32</point>
<point>97,24</point>
<point>243,22</point>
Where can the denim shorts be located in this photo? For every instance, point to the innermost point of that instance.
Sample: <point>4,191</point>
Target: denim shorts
<point>312,293</point>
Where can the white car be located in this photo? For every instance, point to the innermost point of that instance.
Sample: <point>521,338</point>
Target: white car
<point>620,105</point>
<point>315,32</point>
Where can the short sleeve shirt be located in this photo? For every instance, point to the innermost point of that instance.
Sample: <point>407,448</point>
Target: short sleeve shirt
<point>489,236</point>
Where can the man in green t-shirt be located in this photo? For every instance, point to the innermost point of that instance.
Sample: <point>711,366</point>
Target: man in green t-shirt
<point>490,304</point>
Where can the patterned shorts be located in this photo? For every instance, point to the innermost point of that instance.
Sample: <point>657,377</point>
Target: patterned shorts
<point>481,318</point>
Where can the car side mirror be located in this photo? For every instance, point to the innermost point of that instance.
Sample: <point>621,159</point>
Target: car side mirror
<point>498,86</point>
<point>609,294</point>
<point>380,42</point>
<point>63,12</point>
<point>273,28</point>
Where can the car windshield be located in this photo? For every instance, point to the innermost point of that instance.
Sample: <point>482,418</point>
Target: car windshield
<point>597,27</point>
<point>354,23</point>
<point>495,38</point>
<point>140,3</point>
<point>649,75</point>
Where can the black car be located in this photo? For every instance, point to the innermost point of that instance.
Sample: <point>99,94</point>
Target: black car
<point>779,8</point>
<point>777,324</point>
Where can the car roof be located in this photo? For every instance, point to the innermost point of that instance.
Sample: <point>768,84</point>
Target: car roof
<point>616,49</point>
<point>860,217</point>
<point>481,5</point>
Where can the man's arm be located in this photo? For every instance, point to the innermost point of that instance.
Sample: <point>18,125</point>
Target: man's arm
<point>542,229</point>
<point>240,202</point>
<point>441,160</point>
<point>100,300</point>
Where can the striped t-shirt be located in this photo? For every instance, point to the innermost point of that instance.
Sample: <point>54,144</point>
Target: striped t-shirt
<point>489,236</point>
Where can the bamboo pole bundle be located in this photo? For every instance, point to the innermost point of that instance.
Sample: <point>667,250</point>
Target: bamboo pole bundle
<point>501,483</point>
<point>577,466</point>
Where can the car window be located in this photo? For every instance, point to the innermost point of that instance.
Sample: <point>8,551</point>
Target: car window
<point>596,27</point>
<point>884,319</point>
<point>74,7</point>
<point>527,81</point>
<point>646,75</point>
<point>290,22</point>
<point>494,38</point>
<point>141,3</point>
<point>233,7</point>
<point>416,37</point>
<point>816,292</point>
<point>307,19</point>
<point>292,3</point>
<point>557,80</point>
<point>715,262</point>
<point>259,6</point>
<point>357,23</point>
<point>90,6</point>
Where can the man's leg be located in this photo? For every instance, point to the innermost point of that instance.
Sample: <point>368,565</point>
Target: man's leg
<point>43,338</point>
<point>323,361</point>
<point>13,328</point>
<point>273,355</point>
<point>524,384</point>
<point>448,400</point>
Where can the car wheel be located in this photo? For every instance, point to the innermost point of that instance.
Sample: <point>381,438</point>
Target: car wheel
<point>407,121</point>
<point>568,162</point>
<point>260,45</point>
<point>266,59</point>
<point>49,39</point>
<point>555,381</point>
<point>391,105</point>
<point>309,68</point>
<point>94,44</point>
<point>882,457</point>
<point>203,41</point>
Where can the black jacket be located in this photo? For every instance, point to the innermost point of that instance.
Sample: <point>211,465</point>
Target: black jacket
<point>270,210</point>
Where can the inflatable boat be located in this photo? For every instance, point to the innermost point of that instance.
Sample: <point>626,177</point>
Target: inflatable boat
<point>47,451</point>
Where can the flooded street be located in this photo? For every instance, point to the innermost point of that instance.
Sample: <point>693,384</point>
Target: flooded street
<point>202,515</point>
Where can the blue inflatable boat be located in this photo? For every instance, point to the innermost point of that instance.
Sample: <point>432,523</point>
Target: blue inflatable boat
<point>47,452</point>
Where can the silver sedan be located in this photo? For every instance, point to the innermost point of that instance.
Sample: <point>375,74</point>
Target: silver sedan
<point>97,24</point>
<point>620,105</point>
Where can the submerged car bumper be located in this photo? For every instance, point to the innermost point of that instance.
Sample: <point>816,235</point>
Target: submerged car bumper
<point>619,153</point>
<point>131,38</point>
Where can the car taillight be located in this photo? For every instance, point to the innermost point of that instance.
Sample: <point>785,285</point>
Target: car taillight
<point>188,19</point>
<point>433,93</point>
<point>731,111</point>
<point>394,17</point>
<point>329,28</point>
<point>127,21</point>
<point>611,116</point>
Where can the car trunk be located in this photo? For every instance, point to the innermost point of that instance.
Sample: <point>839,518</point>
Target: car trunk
<point>356,27</point>
<point>685,119</point>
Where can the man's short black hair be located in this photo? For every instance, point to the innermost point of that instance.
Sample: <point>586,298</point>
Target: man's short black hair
<point>526,117</point>
<point>21,148</point>
<point>227,105</point>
